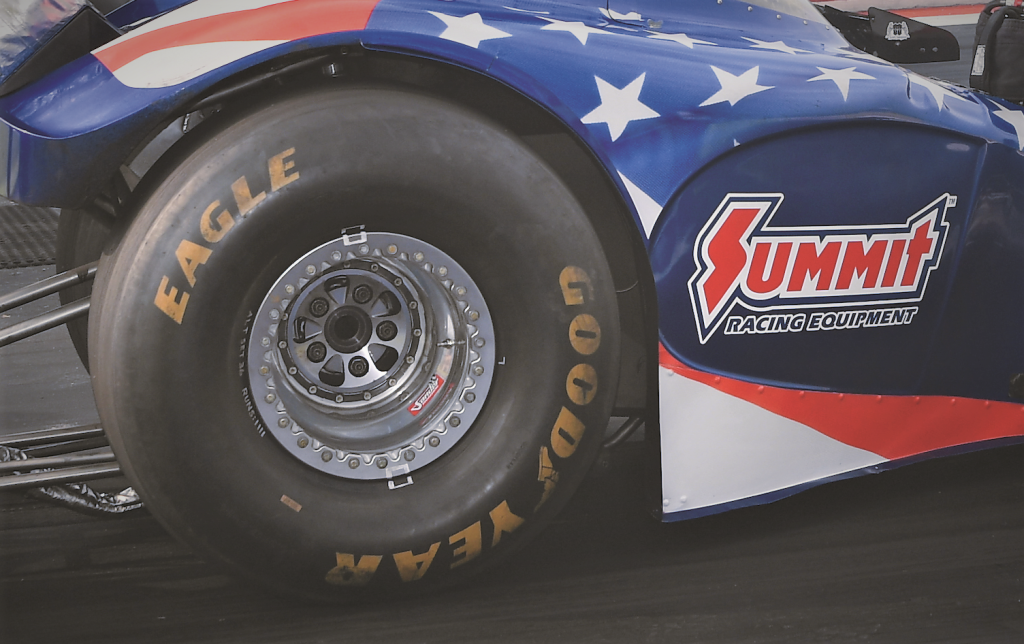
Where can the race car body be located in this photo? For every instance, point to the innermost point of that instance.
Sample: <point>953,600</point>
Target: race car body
<point>821,251</point>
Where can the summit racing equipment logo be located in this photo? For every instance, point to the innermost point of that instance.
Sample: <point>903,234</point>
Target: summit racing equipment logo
<point>742,259</point>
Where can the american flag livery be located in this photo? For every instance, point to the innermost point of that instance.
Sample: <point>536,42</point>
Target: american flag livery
<point>719,123</point>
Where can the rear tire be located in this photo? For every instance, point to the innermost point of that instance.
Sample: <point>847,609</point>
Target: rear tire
<point>228,421</point>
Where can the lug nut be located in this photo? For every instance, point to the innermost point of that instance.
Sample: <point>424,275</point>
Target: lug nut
<point>312,390</point>
<point>387,330</point>
<point>362,294</point>
<point>319,307</point>
<point>358,366</point>
<point>292,370</point>
<point>367,395</point>
<point>316,352</point>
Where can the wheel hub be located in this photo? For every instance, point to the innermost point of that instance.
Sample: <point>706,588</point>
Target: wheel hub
<point>371,359</point>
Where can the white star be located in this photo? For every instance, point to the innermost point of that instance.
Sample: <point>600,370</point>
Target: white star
<point>469,30</point>
<point>937,91</point>
<point>1016,119</point>
<point>682,39</point>
<point>735,88</point>
<point>578,29</point>
<point>648,209</point>
<point>615,15</point>
<point>778,45</point>
<point>841,77</point>
<point>619,107</point>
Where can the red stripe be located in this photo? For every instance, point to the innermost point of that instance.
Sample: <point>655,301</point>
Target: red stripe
<point>286,21</point>
<point>890,426</point>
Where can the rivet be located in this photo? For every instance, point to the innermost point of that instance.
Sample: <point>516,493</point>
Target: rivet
<point>718,379</point>
<point>841,396</point>
<point>778,17</point>
<point>392,382</point>
<point>878,398</point>
<point>303,442</point>
<point>479,342</point>
<point>339,398</point>
<point>417,256</point>
<point>434,441</point>
<point>326,456</point>
<point>265,342</point>
<point>292,370</point>
<point>409,455</point>
<point>442,270</point>
<point>398,281</point>
<point>289,289</point>
<point>282,422</point>
<point>392,249</point>
<point>364,249</point>
<point>474,316</point>
<point>270,398</point>
<point>274,314</point>
<point>409,359</point>
<point>952,401</point>
<point>367,395</point>
<point>470,396</point>
<point>454,421</point>
<point>417,333</point>
<point>760,389</point>
<point>374,268</point>
<point>353,463</point>
<point>665,503</point>
<point>414,305</point>
<point>750,8</point>
<point>382,462</point>
<point>460,290</point>
<point>803,393</point>
<point>264,371</point>
<point>478,370</point>
<point>917,400</point>
<point>282,344</point>
<point>311,270</point>
<point>312,390</point>
<point>336,256</point>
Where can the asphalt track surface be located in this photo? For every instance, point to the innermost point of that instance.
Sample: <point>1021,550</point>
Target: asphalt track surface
<point>932,552</point>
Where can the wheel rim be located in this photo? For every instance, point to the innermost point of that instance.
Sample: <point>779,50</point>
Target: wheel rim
<point>370,357</point>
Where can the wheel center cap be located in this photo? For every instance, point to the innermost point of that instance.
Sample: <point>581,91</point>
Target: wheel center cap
<point>348,329</point>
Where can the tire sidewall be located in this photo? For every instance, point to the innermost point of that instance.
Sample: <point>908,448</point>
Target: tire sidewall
<point>174,395</point>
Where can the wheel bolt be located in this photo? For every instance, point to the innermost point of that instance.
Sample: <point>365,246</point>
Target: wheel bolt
<point>460,291</point>
<point>387,330</point>
<point>264,371</point>
<point>292,370</point>
<point>319,307</point>
<point>434,441</point>
<point>353,463</point>
<point>336,256</point>
<point>270,398</point>
<point>392,249</point>
<point>382,462</point>
<point>410,455</point>
<point>478,370</point>
<point>417,333</point>
<point>312,390</point>
<point>282,344</point>
<point>479,342</point>
<point>311,270</point>
<point>274,314</point>
<point>442,270</point>
<point>282,422</point>
<point>474,316</point>
<point>358,366</point>
<point>454,421</point>
<point>339,398</point>
<point>367,395</point>
<point>303,442</point>
<point>362,294</point>
<point>265,342</point>
<point>417,256</point>
<point>409,359</point>
<point>364,249</point>
<point>316,352</point>
<point>470,396</point>
<point>326,456</point>
<point>289,289</point>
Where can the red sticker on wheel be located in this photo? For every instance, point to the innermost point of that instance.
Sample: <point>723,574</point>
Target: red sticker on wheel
<point>428,394</point>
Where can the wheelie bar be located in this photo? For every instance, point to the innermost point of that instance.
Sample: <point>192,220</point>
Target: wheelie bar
<point>41,289</point>
<point>55,456</point>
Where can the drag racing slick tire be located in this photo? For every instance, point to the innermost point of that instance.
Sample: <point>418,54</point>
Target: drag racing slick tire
<point>355,339</point>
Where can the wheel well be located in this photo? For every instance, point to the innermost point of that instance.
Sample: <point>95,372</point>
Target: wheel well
<point>542,132</point>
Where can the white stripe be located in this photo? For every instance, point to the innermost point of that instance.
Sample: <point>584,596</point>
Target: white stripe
<point>648,209</point>
<point>716,448</point>
<point>194,11</point>
<point>174,65</point>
